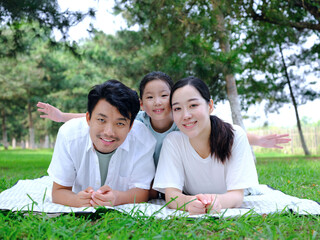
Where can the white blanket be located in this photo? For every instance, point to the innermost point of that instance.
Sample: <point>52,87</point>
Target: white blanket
<point>35,195</point>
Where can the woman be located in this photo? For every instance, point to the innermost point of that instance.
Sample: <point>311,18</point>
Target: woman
<point>207,165</point>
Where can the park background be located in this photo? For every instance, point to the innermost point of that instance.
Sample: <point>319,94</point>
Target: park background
<point>259,58</point>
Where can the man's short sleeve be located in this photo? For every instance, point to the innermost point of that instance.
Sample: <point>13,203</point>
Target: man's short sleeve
<point>142,145</point>
<point>61,168</point>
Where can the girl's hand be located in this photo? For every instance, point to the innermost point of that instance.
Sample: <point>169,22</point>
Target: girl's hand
<point>273,140</point>
<point>51,112</point>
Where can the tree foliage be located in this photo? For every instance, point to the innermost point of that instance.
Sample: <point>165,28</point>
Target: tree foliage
<point>214,40</point>
<point>46,13</point>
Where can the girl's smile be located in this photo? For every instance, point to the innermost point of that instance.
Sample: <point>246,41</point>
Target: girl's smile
<point>155,102</point>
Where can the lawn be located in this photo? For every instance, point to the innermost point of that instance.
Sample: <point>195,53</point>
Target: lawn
<point>294,175</point>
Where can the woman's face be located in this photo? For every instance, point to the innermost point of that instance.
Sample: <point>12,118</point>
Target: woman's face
<point>191,112</point>
<point>155,100</point>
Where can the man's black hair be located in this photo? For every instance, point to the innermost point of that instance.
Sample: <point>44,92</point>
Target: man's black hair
<point>118,95</point>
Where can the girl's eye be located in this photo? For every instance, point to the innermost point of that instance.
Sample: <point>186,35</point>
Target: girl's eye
<point>194,105</point>
<point>164,95</point>
<point>149,97</point>
<point>176,109</point>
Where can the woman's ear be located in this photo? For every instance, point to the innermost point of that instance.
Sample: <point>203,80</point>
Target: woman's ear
<point>141,104</point>
<point>211,106</point>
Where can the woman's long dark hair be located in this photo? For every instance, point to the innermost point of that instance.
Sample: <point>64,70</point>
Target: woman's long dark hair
<point>221,135</point>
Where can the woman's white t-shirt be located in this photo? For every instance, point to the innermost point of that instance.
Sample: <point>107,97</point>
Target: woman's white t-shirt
<point>181,167</point>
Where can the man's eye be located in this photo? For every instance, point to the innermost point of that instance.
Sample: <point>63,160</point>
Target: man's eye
<point>120,124</point>
<point>100,119</point>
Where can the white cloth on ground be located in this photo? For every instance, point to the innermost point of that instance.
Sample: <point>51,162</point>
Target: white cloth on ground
<point>36,194</point>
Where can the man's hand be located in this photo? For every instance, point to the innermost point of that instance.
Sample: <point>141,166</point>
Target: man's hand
<point>51,112</point>
<point>104,196</point>
<point>64,195</point>
<point>84,198</point>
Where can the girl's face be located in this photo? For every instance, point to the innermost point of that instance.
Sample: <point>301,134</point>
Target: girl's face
<point>191,112</point>
<point>155,100</point>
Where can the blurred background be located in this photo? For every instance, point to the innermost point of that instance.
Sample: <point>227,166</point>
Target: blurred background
<point>259,58</point>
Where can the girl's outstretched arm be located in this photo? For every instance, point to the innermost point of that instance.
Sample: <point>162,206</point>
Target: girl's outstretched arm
<point>268,141</point>
<point>55,114</point>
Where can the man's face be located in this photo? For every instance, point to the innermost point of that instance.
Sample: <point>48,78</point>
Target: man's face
<point>108,128</point>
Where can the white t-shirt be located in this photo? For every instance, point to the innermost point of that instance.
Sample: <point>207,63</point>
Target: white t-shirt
<point>75,162</point>
<point>181,167</point>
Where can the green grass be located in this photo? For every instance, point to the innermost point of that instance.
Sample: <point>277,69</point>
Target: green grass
<point>22,164</point>
<point>295,175</point>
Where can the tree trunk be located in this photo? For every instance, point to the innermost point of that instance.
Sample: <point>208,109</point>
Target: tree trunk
<point>232,92</point>
<point>303,143</point>
<point>14,143</point>
<point>31,129</point>
<point>46,141</point>
<point>4,130</point>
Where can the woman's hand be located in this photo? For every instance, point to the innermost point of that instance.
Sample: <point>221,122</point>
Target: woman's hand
<point>211,202</point>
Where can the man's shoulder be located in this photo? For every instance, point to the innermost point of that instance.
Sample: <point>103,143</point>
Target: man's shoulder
<point>139,132</point>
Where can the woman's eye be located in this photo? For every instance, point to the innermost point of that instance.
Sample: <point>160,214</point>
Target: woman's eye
<point>194,105</point>
<point>176,109</point>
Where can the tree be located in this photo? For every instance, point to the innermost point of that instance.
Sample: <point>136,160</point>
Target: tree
<point>45,12</point>
<point>294,102</point>
<point>196,37</point>
<point>277,76</point>
<point>298,14</point>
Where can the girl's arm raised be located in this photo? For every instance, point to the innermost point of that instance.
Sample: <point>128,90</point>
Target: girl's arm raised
<point>55,114</point>
<point>268,141</point>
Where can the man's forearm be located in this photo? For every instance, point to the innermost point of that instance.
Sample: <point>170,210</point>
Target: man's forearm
<point>65,197</point>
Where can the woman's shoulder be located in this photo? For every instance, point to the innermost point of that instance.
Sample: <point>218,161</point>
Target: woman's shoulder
<point>238,130</point>
<point>176,136</point>
<point>240,135</point>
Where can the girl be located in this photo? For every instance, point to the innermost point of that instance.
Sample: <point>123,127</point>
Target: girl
<point>208,164</point>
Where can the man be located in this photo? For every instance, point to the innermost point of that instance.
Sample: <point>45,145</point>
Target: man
<point>106,157</point>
